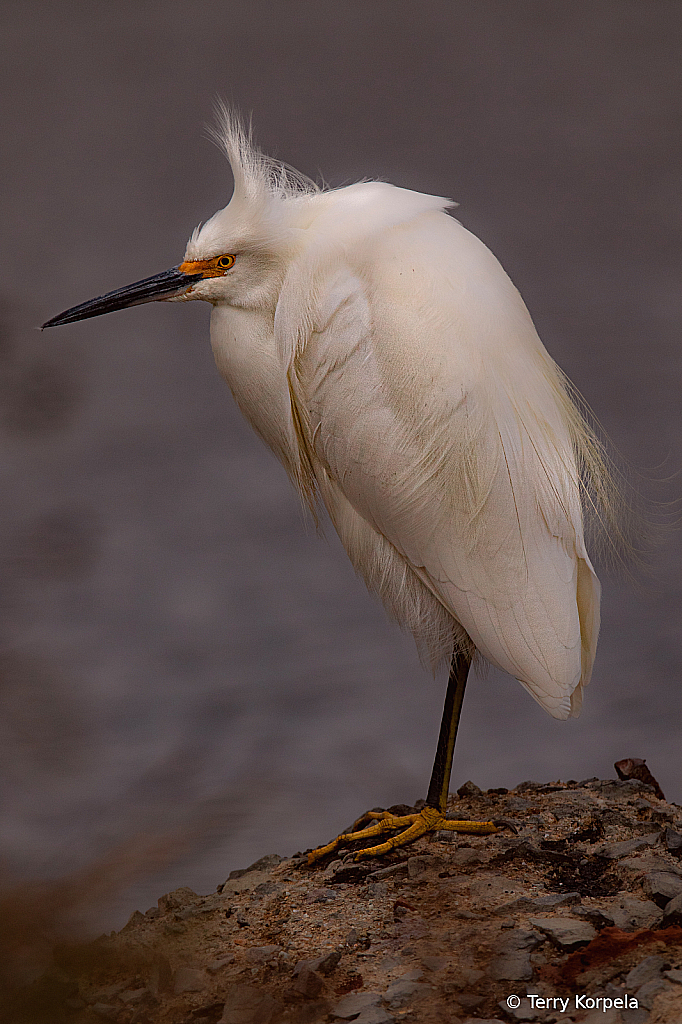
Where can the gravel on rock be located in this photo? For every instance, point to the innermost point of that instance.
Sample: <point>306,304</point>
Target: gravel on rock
<point>583,895</point>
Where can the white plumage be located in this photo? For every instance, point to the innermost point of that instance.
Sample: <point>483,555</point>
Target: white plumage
<point>384,355</point>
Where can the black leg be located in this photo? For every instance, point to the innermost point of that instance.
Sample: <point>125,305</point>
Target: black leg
<point>439,786</point>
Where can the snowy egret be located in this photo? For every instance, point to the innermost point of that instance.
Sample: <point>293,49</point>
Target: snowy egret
<point>383,354</point>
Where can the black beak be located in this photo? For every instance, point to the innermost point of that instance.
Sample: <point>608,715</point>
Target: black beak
<point>161,286</point>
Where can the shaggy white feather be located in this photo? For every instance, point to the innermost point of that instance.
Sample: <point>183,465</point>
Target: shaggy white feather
<point>384,355</point>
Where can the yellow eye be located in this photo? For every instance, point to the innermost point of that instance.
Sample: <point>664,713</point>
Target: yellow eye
<point>225,262</point>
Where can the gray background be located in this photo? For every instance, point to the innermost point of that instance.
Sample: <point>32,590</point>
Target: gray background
<point>183,661</point>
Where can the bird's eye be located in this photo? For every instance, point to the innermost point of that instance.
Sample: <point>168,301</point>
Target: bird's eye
<point>225,262</point>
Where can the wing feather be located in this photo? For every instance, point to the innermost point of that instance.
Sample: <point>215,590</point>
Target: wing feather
<point>438,425</point>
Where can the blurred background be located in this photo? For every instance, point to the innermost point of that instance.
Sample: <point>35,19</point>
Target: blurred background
<point>189,677</point>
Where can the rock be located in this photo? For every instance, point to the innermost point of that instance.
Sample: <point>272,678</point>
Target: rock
<point>647,993</point>
<point>673,842</point>
<point>261,954</point>
<point>161,977</point>
<point>614,851</point>
<point>309,983</point>
<point>435,963</point>
<point>479,1020</point>
<point>246,882</point>
<point>464,855</point>
<point>136,995</point>
<point>513,960</point>
<point>675,975</point>
<point>375,1015</point>
<point>469,790</point>
<point>611,789</point>
<point>329,963</point>
<point>672,912</point>
<point>646,970</point>
<point>135,918</point>
<point>597,918</point>
<point>469,1001</point>
<point>105,995</point>
<point>106,1011</point>
<point>522,905</point>
<point>630,914</point>
<point>246,1004</point>
<point>187,979</point>
<point>466,977</point>
<point>636,768</point>
<point>217,965</point>
<point>662,886</point>
<point>392,869</point>
<point>565,932</point>
<point>525,904</point>
<point>355,1003</point>
<point>403,991</point>
<point>204,906</point>
<point>351,872</point>
<point>612,1016</point>
<point>177,899</point>
<point>417,866</point>
<point>521,1013</point>
<point>271,860</point>
<point>557,899</point>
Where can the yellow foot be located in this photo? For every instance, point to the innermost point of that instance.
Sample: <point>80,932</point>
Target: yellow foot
<point>428,820</point>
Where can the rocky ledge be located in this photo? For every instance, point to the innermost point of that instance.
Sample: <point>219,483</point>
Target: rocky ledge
<point>571,912</point>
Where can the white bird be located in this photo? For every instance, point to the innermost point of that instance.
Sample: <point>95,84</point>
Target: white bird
<point>382,353</point>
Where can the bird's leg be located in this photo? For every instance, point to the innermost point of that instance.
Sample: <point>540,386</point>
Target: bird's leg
<point>432,816</point>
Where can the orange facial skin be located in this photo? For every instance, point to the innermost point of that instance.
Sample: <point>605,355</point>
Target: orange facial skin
<point>215,267</point>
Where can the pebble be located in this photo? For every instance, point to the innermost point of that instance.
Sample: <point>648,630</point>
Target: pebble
<point>513,960</point>
<point>392,869</point>
<point>329,963</point>
<point>105,1010</point>
<point>246,1004</point>
<point>356,1002</point>
<point>673,841</point>
<point>435,963</point>
<point>418,866</point>
<point>479,1020</point>
<point>614,851</point>
<point>308,983</point>
<point>375,1015</point>
<point>549,902</point>
<point>631,914</point>
<point>565,932</point>
<point>135,995</point>
<point>403,991</point>
<point>266,863</point>
<point>646,970</point>
<point>261,954</point>
<point>466,977</point>
<point>647,993</point>
<point>161,978</point>
<point>187,979</point>
<point>598,918</point>
<point>612,1016</point>
<point>177,899</point>
<point>663,884</point>
<point>217,965</point>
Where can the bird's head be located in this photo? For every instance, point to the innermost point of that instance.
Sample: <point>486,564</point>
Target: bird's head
<point>239,256</point>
